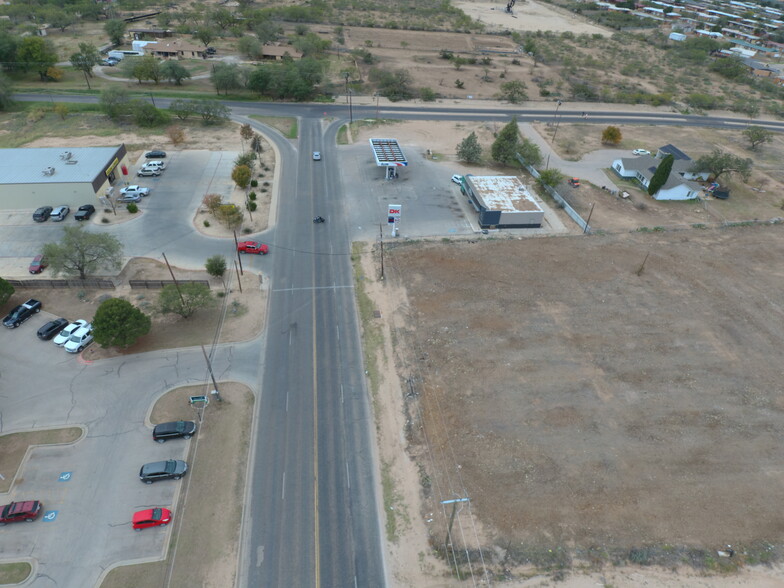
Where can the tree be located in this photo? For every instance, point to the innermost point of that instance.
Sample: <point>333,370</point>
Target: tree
<point>731,68</point>
<point>176,134</point>
<point>550,177</point>
<point>194,296</point>
<point>174,72</point>
<point>211,111</point>
<point>204,34</point>
<point>38,54</point>
<point>507,144</point>
<point>216,266</point>
<point>150,68</point>
<point>115,28</point>
<point>530,152</point>
<point>241,176</point>
<point>61,109</point>
<point>9,43</point>
<point>246,133</point>
<point>230,215</point>
<point>6,92</point>
<point>118,323</point>
<point>182,109</point>
<point>661,174</point>
<point>60,19</point>
<point>114,101</point>
<point>225,76</point>
<point>6,291</point>
<point>86,59</point>
<point>80,253</point>
<point>612,135</point>
<point>513,92</point>
<point>267,31</point>
<point>256,144</point>
<point>756,136</point>
<point>469,149</point>
<point>720,162</point>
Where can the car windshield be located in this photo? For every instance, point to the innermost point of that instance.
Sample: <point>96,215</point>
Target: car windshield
<point>75,338</point>
<point>156,514</point>
<point>171,465</point>
<point>180,426</point>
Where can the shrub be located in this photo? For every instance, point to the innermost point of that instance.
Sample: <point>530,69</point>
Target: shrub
<point>206,223</point>
<point>105,220</point>
<point>132,208</point>
<point>252,196</point>
<point>254,183</point>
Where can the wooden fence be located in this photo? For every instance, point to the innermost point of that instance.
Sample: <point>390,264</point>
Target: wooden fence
<point>158,284</point>
<point>62,284</point>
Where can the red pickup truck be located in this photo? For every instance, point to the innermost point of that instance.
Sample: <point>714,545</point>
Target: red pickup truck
<point>252,247</point>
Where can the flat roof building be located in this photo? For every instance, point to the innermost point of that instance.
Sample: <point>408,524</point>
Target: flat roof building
<point>502,202</point>
<point>33,177</point>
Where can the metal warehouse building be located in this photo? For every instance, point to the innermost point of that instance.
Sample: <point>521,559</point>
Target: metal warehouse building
<point>503,202</point>
<point>53,176</point>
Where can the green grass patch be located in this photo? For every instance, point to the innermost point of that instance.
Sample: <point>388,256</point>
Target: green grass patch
<point>372,337</point>
<point>287,125</point>
<point>396,514</point>
<point>342,138</point>
<point>15,573</point>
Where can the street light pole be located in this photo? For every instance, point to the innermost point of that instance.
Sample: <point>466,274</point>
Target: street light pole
<point>557,120</point>
<point>350,109</point>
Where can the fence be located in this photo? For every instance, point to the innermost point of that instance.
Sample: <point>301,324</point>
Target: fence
<point>573,214</point>
<point>62,284</point>
<point>158,284</point>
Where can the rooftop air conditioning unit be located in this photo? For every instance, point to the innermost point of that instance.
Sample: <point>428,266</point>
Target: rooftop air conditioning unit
<point>48,171</point>
<point>66,155</point>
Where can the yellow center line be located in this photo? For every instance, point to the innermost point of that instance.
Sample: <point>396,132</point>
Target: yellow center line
<point>317,570</point>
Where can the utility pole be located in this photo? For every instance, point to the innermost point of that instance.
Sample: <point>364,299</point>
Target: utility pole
<point>381,240</point>
<point>449,529</point>
<point>239,281</point>
<point>585,230</point>
<point>212,376</point>
<point>237,249</point>
<point>176,284</point>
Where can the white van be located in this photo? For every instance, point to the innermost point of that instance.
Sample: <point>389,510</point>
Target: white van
<point>120,55</point>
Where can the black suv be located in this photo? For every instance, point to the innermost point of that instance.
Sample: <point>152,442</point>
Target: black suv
<point>51,328</point>
<point>171,469</point>
<point>41,214</point>
<point>165,431</point>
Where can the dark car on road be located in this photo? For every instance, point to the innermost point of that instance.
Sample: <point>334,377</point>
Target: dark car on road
<point>37,265</point>
<point>51,328</point>
<point>174,430</point>
<point>42,214</point>
<point>85,212</point>
<point>157,154</point>
<point>171,469</point>
<point>26,510</point>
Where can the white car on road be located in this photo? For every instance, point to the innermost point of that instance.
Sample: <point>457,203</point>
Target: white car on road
<point>641,152</point>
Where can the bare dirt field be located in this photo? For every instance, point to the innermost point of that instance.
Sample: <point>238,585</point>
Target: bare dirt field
<point>593,412</point>
<point>528,16</point>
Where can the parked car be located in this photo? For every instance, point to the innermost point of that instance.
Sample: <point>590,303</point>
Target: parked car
<point>155,154</point>
<point>171,469</point>
<point>457,179</point>
<point>63,336</point>
<point>41,214</point>
<point>85,212</point>
<point>130,198</point>
<point>51,329</point>
<point>252,247</point>
<point>37,265</point>
<point>159,164</point>
<point>23,510</point>
<point>211,51</point>
<point>109,62</point>
<point>316,156</point>
<point>59,213</point>
<point>79,339</point>
<point>152,517</point>
<point>641,152</point>
<point>574,182</point>
<point>21,313</point>
<point>173,430</point>
<point>130,190</point>
<point>148,171</point>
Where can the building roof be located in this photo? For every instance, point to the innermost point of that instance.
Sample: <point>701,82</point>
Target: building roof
<point>504,193</point>
<point>388,153</point>
<point>278,50</point>
<point>673,150</point>
<point>174,46</point>
<point>51,165</point>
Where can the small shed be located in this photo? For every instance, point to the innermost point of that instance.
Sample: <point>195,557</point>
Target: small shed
<point>502,202</point>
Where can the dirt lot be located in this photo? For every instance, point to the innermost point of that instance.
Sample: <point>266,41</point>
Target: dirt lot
<point>581,405</point>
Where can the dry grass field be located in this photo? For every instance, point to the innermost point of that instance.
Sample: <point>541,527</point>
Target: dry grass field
<point>594,411</point>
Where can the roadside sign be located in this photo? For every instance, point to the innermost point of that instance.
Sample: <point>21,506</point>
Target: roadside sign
<point>393,217</point>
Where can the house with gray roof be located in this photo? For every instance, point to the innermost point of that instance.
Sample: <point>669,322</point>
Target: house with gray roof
<point>53,176</point>
<point>682,183</point>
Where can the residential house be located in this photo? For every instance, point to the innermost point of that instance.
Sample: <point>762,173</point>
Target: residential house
<point>681,184</point>
<point>176,49</point>
<point>276,52</point>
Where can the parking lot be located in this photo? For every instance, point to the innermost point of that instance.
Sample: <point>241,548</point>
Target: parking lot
<point>89,489</point>
<point>165,220</point>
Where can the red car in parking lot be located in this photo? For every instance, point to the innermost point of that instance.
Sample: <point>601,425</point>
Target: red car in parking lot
<point>152,517</point>
<point>252,247</point>
<point>37,265</point>
<point>26,510</point>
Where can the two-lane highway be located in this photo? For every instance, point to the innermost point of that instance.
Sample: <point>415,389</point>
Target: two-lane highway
<point>313,518</point>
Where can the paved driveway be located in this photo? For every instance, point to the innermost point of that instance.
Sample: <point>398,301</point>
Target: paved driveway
<point>110,399</point>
